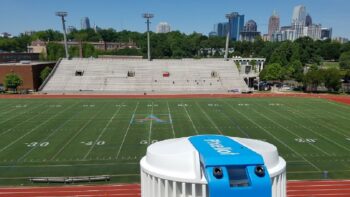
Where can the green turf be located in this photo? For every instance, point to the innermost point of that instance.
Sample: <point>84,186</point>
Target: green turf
<point>80,137</point>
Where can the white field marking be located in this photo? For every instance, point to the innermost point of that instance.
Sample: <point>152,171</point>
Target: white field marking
<point>47,137</point>
<point>213,105</point>
<point>122,105</point>
<point>152,105</point>
<point>7,112</point>
<point>127,130</point>
<point>210,120</point>
<point>150,126</point>
<point>182,105</point>
<point>145,142</point>
<point>328,139</point>
<point>275,104</point>
<point>33,129</point>
<point>22,114</point>
<point>76,134</point>
<point>348,139</point>
<point>236,125</point>
<point>21,106</point>
<point>289,131</point>
<point>90,143</point>
<point>243,104</point>
<point>340,105</point>
<point>277,139</point>
<point>37,144</point>
<point>171,120</point>
<point>102,132</point>
<point>306,140</point>
<point>189,117</point>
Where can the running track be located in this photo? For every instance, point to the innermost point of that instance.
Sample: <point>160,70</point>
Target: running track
<point>328,188</point>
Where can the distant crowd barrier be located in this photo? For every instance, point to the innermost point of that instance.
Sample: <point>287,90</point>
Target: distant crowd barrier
<point>68,180</point>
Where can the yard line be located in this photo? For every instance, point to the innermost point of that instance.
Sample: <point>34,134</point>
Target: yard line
<point>26,111</point>
<point>31,131</point>
<point>189,117</point>
<point>127,130</point>
<point>236,124</point>
<point>51,134</point>
<point>289,131</point>
<point>150,126</point>
<point>76,134</point>
<point>269,133</point>
<point>170,119</point>
<point>334,142</point>
<point>210,120</point>
<point>102,132</point>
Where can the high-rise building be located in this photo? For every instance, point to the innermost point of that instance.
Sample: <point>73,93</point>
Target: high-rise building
<point>341,40</point>
<point>299,14</point>
<point>298,21</point>
<point>85,23</point>
<point>326,33</point>
<point>274,24</point>
<point>250,31</point>
<point>236,26</point>
<point>163,27</point>
<point>221,29</point>
<point>308,21</point>
<point>313,31</point>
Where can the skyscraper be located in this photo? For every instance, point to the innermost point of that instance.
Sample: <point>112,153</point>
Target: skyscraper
<point>308,21</point>
<point>250,31</point>
<point>85,23</point>
<point>221,29</point>
<point>326,33</point>
<point>236,26</point>
<point>298,21</point>
<point>163,27</point>
<point>274,24</point>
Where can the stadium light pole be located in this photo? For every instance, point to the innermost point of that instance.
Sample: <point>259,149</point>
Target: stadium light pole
<point>229,17</point>
<point>148,16</point>
<point>62,15</point>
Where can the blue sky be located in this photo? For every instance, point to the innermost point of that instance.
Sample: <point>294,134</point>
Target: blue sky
<point>17,16</point>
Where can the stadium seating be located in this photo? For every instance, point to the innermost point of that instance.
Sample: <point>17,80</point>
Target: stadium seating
<point>142,76</point>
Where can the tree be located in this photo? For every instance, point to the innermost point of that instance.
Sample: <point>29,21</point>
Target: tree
<point>272,72</point>
<point>313,79</point>
<point>45,73</point>
<point>344,60</point>
<point>332,79</point>
<point>12,81</point>
<point>55,51</point>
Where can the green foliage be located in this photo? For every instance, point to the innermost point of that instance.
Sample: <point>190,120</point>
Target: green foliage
<point>12,81</point>
<point>55,51</point>
<point>332,79</point>
<point>272,72</point>
<point>344,60</point>
<point>45,73</point>
<point>313,79</point>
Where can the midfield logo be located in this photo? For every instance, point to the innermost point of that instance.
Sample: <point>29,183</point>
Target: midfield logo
<point>150,117</point>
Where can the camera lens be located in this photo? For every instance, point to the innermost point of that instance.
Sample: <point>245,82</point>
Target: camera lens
<point>217,173</point>
<point>259,171</point>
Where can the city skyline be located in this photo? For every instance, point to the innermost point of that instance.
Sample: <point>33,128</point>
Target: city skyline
<point>184,16</point>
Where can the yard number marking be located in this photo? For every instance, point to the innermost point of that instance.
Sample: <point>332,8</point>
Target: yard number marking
<point>152,105</point>
<point>182,105</point>
<point>213,105</point>
<point>305,140</point>
<point>90,143</point>
<point>37,144</point>
<point>144,142</point>
<point>243,104</point>
<point>88,105</point>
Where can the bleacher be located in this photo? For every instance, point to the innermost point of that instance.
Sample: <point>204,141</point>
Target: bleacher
<point>142,76</point>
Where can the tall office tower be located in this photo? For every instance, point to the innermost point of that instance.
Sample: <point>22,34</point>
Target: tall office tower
<point>163,27</point>
<point>298,21</point>
<point>274,24</point>
<point>308,21</point>
<point>326,33</point>
<point>236,26</point>
<point>85,23</point>
<point>250,31</point>
<point>221,29</point>
<point>313,31</point>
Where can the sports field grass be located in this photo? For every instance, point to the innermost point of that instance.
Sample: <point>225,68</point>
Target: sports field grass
<point>80,137</point>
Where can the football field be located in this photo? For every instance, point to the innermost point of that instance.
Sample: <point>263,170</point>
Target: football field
<point>83,137</point>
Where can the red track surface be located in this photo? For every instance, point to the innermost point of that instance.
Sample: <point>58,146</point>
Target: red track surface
<point>295,189</point>
<point>337,98</point>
